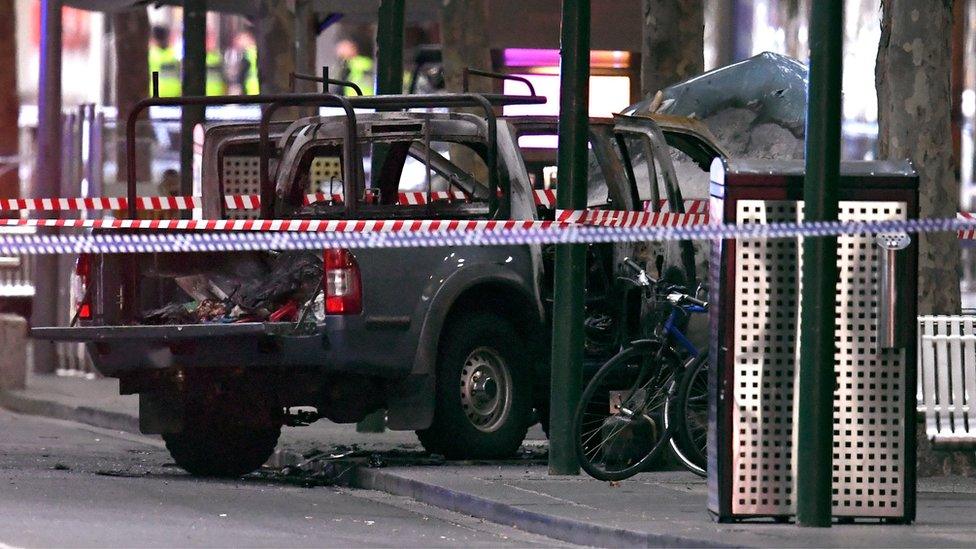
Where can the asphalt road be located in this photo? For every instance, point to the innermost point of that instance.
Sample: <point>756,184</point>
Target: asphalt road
<point>70,485</point>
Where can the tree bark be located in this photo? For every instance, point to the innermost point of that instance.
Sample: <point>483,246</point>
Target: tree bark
<point>913,81</point>
<point>274,32</point>
<point>793,15</point>
<point>464,34</point>
<point>9,103</point>
<point>131,41</point>
<point>673,45</point>
<point>465,43</point>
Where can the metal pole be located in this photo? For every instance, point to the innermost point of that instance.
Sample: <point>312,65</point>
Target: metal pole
<point>47,174</point>
<point>567,333</point>
<point>814,448</point>
<point>389,48</point>
<point>194,83</point>
<point>389,81</point>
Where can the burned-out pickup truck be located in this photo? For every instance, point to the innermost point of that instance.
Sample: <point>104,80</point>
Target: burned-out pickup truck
<point>225,348</point>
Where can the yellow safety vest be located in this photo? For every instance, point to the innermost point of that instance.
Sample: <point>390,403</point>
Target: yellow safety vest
<point>252,85</point>
<point>360,72</point>
<point>215,74</point>
<point>167,64</point>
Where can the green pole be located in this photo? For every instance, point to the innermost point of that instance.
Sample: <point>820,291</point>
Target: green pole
<point>389,48</point>
<point>389,80</point>
<point>570,275</point>
<point>194,83</point>
<point>814,446</point>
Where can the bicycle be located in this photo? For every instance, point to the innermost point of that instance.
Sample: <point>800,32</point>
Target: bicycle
<point>639,400</point>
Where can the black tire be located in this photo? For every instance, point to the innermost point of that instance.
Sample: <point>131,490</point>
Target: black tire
<point>688,416</point>
<point>643,383</point>
<point>225,434</point>
<point>483,391</point>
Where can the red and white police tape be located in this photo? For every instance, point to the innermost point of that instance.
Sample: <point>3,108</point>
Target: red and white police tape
<point>545,198</point>
<point>289,225</point>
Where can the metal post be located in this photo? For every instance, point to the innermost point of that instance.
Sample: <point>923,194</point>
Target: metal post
<point>194,83</point>
<point>814,440</point>
<point>47,174</point>
<point>389,80</point>
<point>389,48</point>
<point>567,333</point>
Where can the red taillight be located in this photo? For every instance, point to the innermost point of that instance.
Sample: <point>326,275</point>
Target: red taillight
<point>343,287</point>
<point>80,284</point>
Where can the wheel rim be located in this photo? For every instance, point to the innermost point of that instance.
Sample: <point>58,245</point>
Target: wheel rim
<point>486,389</point>
<point>604,431</point>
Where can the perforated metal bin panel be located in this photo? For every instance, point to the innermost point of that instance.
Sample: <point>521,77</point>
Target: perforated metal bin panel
<point>242,176</point>
<point>869,435</point>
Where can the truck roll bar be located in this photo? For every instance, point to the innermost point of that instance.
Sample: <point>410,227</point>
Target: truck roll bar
<point>272,102</point>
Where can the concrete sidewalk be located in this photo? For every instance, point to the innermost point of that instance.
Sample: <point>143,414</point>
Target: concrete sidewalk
<point>652,509</point>
<point>657,509</point>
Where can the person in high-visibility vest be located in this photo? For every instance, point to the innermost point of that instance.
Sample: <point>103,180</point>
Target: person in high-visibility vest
<point>163,59</point>
<point>215,74</point>
<point>215,67</point>
<point>252,85</point>
<point>243,65</point>
<point>357,68</point>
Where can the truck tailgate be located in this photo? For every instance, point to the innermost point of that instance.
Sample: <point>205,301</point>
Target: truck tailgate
<point>172,332</point>
<point>119,349</point>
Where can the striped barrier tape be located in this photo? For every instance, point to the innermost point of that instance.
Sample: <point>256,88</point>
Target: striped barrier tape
<point>619,218</point>
<point>602,218</point>
<point>592,218</point>
<point>285,225</point>
<point>462,235</point>
<point>970,233</point>
<point>545,198</point>
<point>692,206</point>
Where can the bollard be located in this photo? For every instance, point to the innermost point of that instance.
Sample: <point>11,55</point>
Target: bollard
<point>13,352</point>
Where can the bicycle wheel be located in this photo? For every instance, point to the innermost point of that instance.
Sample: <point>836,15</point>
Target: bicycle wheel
<point>619,423</point>
<point>688,416</point>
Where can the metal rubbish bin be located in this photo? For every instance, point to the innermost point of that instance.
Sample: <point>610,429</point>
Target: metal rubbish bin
<point>755,336</point>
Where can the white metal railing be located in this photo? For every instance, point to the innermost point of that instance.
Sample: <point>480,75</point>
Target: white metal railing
<point>947,379</point>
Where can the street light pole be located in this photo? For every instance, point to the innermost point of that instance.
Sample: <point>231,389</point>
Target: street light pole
<point>814,447</point>
<point>47,175</point>
<point>570,267</point>
<point>194,83</point>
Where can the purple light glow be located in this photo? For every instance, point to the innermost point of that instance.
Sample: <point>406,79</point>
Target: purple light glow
<point>526,57</point>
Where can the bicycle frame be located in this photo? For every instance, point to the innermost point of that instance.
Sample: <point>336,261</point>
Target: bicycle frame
<point>672,330</point>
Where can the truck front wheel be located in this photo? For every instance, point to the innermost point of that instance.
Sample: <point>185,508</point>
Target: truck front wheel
<point>484,390</point>
<point>225,434</point>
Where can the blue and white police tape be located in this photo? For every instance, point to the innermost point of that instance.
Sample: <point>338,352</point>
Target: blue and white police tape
<point>33,244</point>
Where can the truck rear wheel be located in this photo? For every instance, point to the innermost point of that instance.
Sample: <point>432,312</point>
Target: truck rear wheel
<point>484,390</point>
<point>225,434</point>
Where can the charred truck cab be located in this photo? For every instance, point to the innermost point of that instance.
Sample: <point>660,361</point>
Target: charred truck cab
<point>452,340</point>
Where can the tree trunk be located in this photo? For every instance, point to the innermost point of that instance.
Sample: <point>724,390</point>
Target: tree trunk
<point>794,14</point>
<point>131,33</point>
<point>673,45</point>
<point>912,76</point>
<point>9,103</point>
<point>274,32</point>
<point>464,32</point>
<point>466,44</point>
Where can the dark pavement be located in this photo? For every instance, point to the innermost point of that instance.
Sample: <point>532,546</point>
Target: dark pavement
<point>69,485</point>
